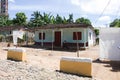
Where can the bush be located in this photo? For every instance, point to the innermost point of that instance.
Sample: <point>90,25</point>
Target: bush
<point>1,37</point>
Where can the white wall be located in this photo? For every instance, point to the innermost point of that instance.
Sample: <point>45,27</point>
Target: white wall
<point>66,34</point>
<point>91,37</point>
<point>48,36</point>
<point>109,43</point>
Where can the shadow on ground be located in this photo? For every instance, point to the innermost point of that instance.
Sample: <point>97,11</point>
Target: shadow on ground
<point>114,64</point>
<point>54,48</point>
<point>72,74</point>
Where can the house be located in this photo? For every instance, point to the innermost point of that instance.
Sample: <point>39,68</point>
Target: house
<point>60,35</point>
<point>7,32</point>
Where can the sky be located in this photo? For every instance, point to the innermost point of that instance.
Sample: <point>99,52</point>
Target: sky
<point>100,12</point>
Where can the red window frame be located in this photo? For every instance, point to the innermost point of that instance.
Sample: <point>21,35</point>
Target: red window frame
<point>77,35</point>
<point>40,36</point>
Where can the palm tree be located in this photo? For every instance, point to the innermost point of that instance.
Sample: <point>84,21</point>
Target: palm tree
<point>59,20</point>
<point>36,19</point>
<point>47,18</point>
<point>70,19</point>
<point>65,20</point>
<point>53,21</point>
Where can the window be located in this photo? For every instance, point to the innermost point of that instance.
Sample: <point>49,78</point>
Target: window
<point>40,36</point>
<point>77,35</point>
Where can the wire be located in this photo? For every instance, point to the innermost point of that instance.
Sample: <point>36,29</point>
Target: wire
<point>103,11</point>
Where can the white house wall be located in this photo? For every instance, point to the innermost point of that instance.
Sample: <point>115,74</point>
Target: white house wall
<point>66,34</point>
<point>91,37</point>
<point>48,36</point>
<point>110,44</point>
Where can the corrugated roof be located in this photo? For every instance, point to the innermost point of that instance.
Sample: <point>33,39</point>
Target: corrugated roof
<point>59,26</point>
<point>9,28</point>
<point>49,26</point>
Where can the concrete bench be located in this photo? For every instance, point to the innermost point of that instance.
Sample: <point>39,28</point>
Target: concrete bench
<point>16,54</point>
<point>76,65</point>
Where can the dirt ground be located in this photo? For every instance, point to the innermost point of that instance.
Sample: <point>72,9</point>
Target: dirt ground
<point>102,70</point>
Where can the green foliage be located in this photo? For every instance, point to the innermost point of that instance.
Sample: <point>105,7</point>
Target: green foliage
<point>70,19</point>
<point>83,21</point>
<point>8,38</point>
<point>3,20</point>
<point>97,36</point>
<point>65,21</point>
<point>24,37</point>
<point>96,32</point>
<point>20,19</point>
<point>58,20</point>
<point>115,23</point>
<point>52,20</point>
<point>10,22</point>
<point>38,19</point>
<point>1,37</point>
<point>47,18</point>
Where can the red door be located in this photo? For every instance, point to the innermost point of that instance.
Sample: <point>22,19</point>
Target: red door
<point>58,38</point>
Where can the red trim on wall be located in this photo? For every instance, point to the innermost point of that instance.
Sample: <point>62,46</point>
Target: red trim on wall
<point>47,43</point>
<point>38,43</point>
<point>73,44</point>
<point>64,44</point>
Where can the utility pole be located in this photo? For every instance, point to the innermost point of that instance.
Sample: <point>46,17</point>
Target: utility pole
<point>77,44</point>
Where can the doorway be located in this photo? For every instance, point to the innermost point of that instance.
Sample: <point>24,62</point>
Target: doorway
<point>57,38</point>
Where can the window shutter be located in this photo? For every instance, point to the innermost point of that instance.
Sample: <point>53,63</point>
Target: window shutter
<point>40,37</point>
<point>77,35</point>
<point>74,35</point>
<point>43,36</point>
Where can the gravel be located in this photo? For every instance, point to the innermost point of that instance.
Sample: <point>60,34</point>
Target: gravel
<point>11,70</point>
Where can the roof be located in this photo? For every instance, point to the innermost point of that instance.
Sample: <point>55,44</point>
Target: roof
<point>49,26</point>
<point>61,26</point>
<point>9,28</point>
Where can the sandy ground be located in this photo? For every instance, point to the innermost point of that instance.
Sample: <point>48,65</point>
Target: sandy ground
<point>105,70</point>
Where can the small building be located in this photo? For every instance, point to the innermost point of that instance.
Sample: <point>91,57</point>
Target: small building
<point>60,35</point>
<point>7,32</point>
<point>110,44</point>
